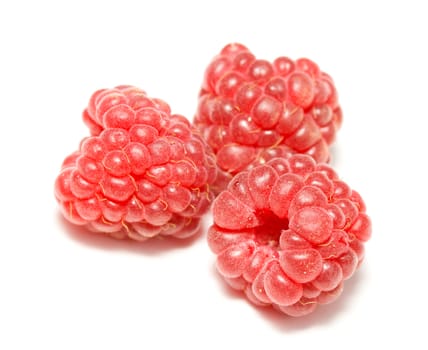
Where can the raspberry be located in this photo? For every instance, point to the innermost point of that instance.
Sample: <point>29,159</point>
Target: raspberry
<point>251,110</point>
<point>144,172</point>
<point>288,233</point>
<point>125,106</point>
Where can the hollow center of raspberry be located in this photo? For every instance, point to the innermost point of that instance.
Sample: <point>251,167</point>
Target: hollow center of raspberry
<point>270,230</point>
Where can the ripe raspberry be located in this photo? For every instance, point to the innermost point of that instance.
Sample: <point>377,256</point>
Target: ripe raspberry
<point>251,110</point>
<point>288,233</point>
<point>143,173</point>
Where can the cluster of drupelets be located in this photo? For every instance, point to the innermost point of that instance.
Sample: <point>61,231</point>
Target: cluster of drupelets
<point>287,231</point>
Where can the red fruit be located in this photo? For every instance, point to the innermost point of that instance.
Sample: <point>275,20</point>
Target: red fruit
<point>248,105</point>
<point>144,172</point>
<point>287,235</point>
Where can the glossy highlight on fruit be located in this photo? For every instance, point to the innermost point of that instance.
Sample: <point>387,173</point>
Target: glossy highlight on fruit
<point>143,172</point>
<point>251,110</point>
<point>288,233</point>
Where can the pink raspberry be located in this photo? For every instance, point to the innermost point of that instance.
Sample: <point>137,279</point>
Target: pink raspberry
<point>251,110</point>
<point>289,233</point>
<point>143,173</point>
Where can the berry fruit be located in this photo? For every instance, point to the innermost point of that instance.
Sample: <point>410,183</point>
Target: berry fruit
<point>251,110</point>
<point>288,233</point>
<point>144,172</point>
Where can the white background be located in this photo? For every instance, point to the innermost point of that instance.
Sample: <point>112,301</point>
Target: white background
<point>61,288</point>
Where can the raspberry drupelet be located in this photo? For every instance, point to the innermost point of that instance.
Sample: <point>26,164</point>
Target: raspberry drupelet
<point>251,110</point>
<point>144,172</point>
<point>288,233</point>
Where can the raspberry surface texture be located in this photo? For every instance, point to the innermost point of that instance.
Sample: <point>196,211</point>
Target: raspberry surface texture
<point>142,173</point>
<point>251,110</point>
<point>288,233</point>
